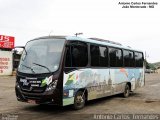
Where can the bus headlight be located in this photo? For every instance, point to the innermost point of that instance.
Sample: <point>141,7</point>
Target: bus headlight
<point>52,85</point>
<point>17,85</point>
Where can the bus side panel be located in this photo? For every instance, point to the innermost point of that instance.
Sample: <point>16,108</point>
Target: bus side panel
<point>135,77</point>
<point>96,81</point>
<point>100,82</point>
<point>72,81</point>
<point>121,76</point>
<point>100,85</point>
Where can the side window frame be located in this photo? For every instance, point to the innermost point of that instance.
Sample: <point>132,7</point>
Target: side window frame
<point>131,60</point>
<point>126,59</point>
<point>116,63</point>
<point>99,65</point>
<point>140,59</point>
<point>70,46</point>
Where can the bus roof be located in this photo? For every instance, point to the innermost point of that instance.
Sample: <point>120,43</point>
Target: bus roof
<point>91,40</point>
<point>100,42</point>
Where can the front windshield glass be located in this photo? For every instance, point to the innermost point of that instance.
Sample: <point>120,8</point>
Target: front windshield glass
<point>41,56</point>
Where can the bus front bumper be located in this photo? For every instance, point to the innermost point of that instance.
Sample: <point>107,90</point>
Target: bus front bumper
<point>49,97</point>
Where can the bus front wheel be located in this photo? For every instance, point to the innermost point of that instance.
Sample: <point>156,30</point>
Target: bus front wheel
<point>79,100</point>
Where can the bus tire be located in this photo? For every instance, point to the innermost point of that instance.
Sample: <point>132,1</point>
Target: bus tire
<point>126,91</point>
<point>79,100</point>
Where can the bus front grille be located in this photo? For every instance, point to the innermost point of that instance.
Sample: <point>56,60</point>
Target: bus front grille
<point>33,89</point>
<point>35,97</point>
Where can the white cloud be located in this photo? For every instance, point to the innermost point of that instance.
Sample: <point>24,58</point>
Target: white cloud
<point>28,19</point>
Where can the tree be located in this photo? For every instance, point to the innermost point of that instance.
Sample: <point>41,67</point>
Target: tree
<point>147,65</point>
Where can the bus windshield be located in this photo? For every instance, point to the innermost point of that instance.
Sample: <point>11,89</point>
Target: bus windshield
<point>41,56</point>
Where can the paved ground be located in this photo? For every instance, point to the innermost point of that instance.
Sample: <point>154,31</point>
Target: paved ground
<point>145,100</point>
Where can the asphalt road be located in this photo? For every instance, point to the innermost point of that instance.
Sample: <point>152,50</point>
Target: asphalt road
<point>145,100</point>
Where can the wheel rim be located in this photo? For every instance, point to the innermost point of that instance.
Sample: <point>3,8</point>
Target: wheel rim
<point>79,100</point>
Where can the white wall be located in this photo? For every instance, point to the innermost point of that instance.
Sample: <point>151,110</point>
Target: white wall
<point>6,64</point>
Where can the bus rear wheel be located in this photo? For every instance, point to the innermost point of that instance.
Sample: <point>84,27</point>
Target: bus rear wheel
<point>79,100</point>
<point>126,91</point>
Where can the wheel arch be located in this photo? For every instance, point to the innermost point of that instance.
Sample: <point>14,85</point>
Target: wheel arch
<point>85,92</point>
<point>129,84</point>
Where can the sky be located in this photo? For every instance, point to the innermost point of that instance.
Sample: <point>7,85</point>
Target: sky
<point>134,27</point>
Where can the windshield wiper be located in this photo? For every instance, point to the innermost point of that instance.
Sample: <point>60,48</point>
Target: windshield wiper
<point>28,68</point>
<point>42,66</point>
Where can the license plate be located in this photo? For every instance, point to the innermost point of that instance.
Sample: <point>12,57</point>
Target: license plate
<point>31,101</point>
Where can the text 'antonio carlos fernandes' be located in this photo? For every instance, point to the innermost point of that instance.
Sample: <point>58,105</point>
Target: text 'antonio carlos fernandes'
<point>138,3</point>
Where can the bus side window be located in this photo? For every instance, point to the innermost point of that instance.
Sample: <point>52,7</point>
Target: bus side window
<point>132,61</point>
<point>139,59</point>
<point>99,56</point>
<point>103,56</point>
<point>126,58</point>
<point>116,59</point>
<point>68,57</point>
<point>94,55</point>
<point>112,56</point>
<point>77,55</point>
<point>119,58</point>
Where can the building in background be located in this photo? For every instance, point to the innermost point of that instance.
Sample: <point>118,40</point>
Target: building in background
<point>6,54</point>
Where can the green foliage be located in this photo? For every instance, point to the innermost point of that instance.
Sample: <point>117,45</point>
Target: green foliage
<point>147,64</point>
<point>150,65</point>
<point>157,64</point>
